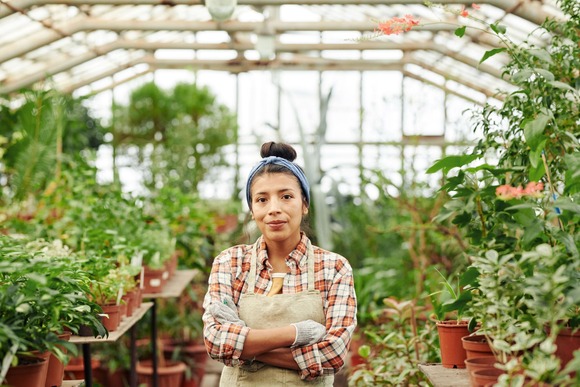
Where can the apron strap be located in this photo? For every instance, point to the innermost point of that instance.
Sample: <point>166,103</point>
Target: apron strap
<point>252,272</point>
<point>254,261</point>
<point>310,255</point>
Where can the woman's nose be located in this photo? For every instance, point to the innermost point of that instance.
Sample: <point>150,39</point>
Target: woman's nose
<point>274,206</point>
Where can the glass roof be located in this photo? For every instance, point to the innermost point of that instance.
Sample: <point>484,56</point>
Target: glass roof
<point>73,45</point>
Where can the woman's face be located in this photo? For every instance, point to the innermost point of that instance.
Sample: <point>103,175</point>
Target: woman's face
<point>277,207</point>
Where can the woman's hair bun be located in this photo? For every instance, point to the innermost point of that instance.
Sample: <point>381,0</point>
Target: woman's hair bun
<point>282,150</point>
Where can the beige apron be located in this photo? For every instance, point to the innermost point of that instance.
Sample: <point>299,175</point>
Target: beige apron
<point>260,311</point>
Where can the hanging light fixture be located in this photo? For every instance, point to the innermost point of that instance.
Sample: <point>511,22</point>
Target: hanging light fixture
<point>266,41</point>
<point>221,10</point>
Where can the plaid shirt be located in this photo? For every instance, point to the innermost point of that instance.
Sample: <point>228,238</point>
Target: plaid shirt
<point>333,278</point>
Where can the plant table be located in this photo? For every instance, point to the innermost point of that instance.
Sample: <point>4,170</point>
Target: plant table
<point>173,288</point>
<point>445,377</point>
<point>126,324</point>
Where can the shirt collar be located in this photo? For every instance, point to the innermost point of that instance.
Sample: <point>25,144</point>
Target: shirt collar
<point>298,255</point>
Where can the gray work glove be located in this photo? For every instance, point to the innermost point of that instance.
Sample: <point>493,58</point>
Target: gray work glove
<point>225,312</point>
<point>308,332</point>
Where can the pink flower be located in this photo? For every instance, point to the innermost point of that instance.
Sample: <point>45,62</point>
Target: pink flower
<point>534,189</point>
<point>464,12</point>
<point>507,192</point>
<point>396,25</point>
<point>475,6</point>
<point>503,192</point>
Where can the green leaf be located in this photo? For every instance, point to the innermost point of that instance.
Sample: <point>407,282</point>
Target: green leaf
<point>522,206</point>
<point>469,277</point>
<point>548,75</point>
<point>534,129</point>
<point>37,278</point>
<point>562,85</point>
<point>460,31</point>
<point>531,232</point>
<point>568,241</point>
<point>536,154</point>
<point>450,162</point>
<point>522,75</point>
<point>472,324</point>
<point>564,203</point>
<point>490,53</point>
<point>498,28</point>
<point>364,351</point>
<point>541,54</point>
<point>537,173</point>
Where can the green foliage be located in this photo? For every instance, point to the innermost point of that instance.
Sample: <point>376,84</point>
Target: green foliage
<point>396,346</point>
<point>42,290</point>
<point>190,222</point>
<point>454,298</point>
<point>515,198</point>
<point>180,131</point>
<point>34,136</point>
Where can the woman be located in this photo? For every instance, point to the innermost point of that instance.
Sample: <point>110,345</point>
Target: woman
<point>280,311</point>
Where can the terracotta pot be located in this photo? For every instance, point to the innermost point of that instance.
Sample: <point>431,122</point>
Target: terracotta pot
<point>486,376</point>
<point>30,372</point>
<point>450,333</point>
<point>194,355</point>
<point>55,367</point>
<point>129,300</point>
<point>479,363</point>
<point>114,317</point>
<point>171,264</point>
<point>75,369</point>
<point>170,375</point>
<point>153,280</point>
<point>136,294</point>
<point>476,346</point>
<point>122,310</point>
<point>119,378</point>
<point>567,342</point>
<point>45,356</point>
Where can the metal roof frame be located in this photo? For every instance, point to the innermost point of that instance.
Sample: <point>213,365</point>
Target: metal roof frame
<point>80,42</point>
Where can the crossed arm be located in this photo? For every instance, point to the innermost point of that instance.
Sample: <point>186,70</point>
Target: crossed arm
<point>271,346</point>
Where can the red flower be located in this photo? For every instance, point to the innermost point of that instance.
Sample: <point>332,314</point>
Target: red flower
<point>396,25</point>
<point>464,12</point>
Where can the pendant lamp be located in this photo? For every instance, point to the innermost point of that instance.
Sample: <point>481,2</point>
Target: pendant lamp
<point>221,10</point>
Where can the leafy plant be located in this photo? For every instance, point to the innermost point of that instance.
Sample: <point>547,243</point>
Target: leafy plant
<point>455,298</point>
<point>36,135</point>
<point>180,131</point>
<point>397,345</point>
<point>42,291</point>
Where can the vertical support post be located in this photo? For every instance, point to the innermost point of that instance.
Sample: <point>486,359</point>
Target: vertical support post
<point>154,342</point>
<point>87,365</point>
<point>133,350</point>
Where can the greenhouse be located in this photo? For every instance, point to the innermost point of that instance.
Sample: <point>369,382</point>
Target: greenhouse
<point>200,193</point>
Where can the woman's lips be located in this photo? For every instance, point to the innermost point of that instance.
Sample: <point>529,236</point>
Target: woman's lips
<point>276,225</point>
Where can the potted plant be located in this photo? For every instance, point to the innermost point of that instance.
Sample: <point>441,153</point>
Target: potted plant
<point>452,324</point>
<point>42,292</point>
<point>515,196</point>
<point>398,341</point>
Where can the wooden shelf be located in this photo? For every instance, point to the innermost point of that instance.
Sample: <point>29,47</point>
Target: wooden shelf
<point>123,327</point>
<point>72,383</point>
<point>445,377</point>
<point>175,285</point>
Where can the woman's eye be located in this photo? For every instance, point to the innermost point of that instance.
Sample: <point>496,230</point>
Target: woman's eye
<point>260,200</point>
<point>288,196</point>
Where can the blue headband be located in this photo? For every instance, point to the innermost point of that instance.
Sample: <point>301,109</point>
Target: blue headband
<point>285,163</point>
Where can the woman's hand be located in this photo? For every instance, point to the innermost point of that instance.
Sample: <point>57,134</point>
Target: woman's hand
<point>225,312</point>
<point>308,332</point>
